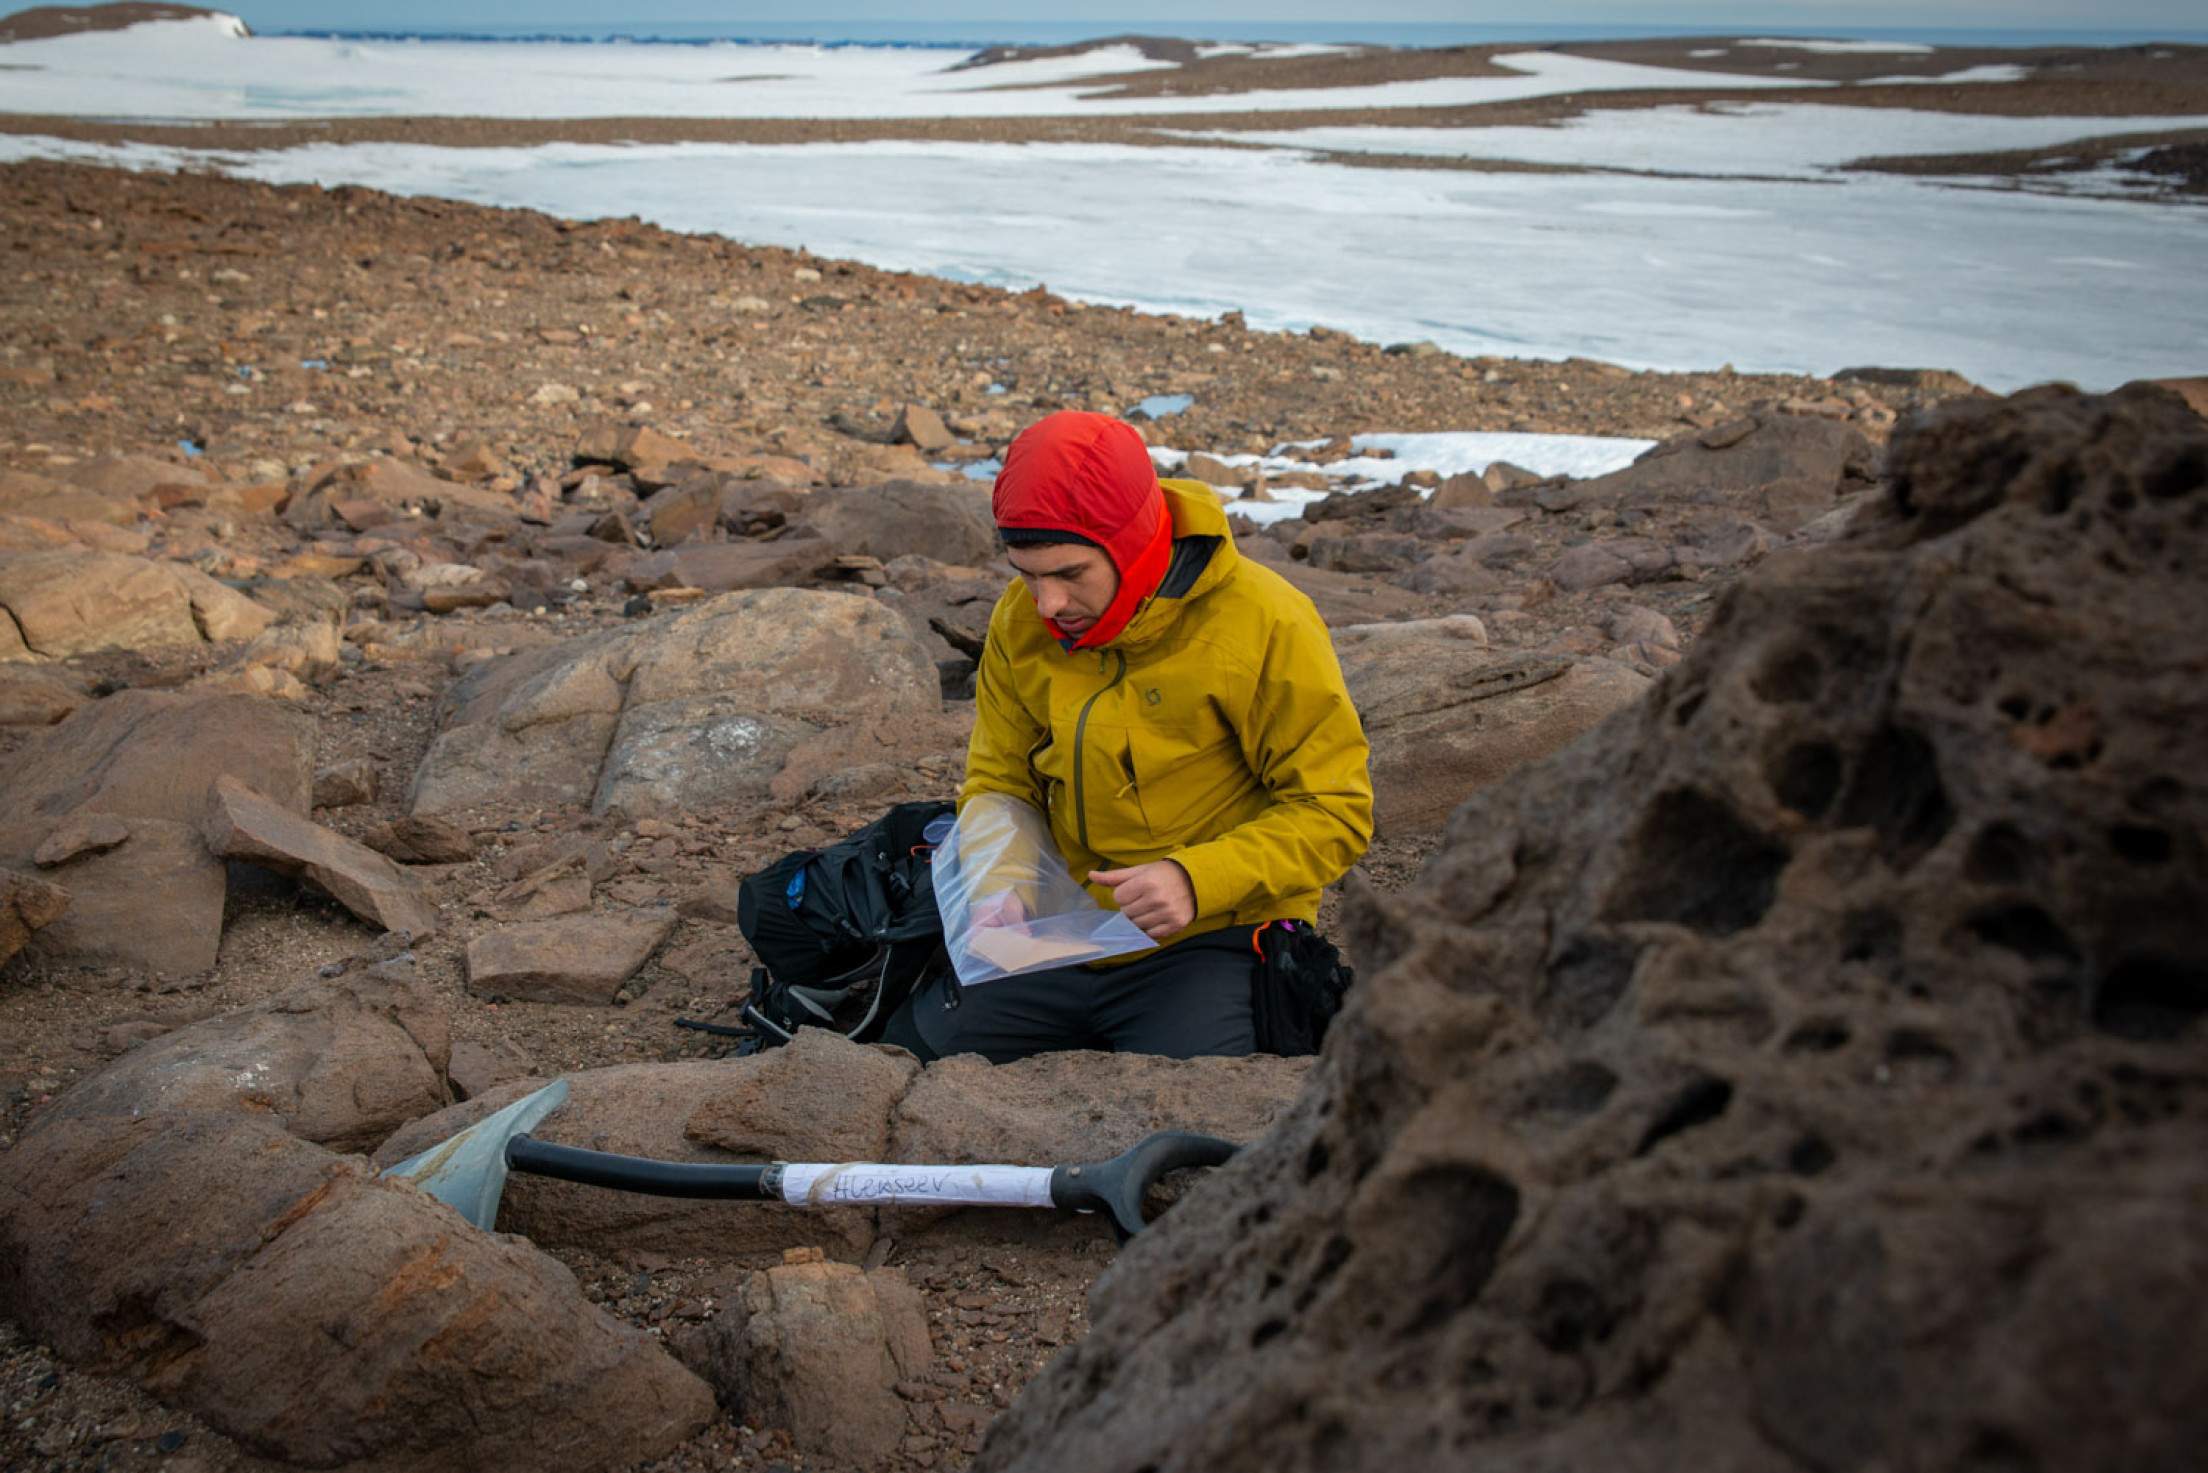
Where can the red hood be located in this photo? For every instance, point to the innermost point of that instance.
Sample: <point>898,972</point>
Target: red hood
<point>1091,475</point>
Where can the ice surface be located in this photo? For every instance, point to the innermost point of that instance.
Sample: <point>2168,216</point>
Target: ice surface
<point>190,70</point>
<point>1995,284</point>
<point>1802,140</point>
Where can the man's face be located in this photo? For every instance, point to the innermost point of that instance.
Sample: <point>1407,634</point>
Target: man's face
<point>1072,583</point>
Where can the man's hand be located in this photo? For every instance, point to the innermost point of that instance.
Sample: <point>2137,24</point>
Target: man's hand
<point>1156,896</point>
<point>1001,909</point>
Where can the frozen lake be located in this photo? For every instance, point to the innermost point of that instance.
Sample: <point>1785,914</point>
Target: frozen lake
<point>1769,261</point>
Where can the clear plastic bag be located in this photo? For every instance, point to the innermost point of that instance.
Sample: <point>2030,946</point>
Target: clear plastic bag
<point>1008,903</point>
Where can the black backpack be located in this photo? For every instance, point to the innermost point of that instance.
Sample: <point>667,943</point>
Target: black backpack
<point>844,934</point>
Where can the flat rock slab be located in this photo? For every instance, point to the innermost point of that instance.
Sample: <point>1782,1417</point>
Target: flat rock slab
<point>1446,716</point>
<point>340,1061</point>
<point>241,824</point>
<point>571,959</point>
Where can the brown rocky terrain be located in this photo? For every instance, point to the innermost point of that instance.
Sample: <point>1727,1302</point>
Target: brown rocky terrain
<point>418,616</point>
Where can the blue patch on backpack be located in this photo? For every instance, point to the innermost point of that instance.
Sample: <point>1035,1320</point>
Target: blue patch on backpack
<point>795,893</point>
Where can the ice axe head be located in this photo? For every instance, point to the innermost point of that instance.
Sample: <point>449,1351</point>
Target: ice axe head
<point>468,1172</point>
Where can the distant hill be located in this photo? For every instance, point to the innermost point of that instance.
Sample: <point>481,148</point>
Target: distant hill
<point>43,21</point>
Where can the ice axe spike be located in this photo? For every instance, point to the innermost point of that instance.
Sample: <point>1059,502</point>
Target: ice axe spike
<point>468,1173</point>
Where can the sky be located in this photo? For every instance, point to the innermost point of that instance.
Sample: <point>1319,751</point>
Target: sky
<point>1728,16</point>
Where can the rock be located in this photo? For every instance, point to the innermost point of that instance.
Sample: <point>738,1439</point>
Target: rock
<point>155,903</point>
<point>344,784</point>
<point>313,1312</point>
<point>919,426</point>
<point>27,904</point>
<point>1616,560</point>
<point>72,603</point>
<point>726,567</point>
<point>561,887</point>
<point>1446,717</point>
<point>478,1068</point>
<point>30,696</point>
<point>241,824</point>
<point>309,650</point>
<point>124,478</point>
<point>1341,598</point>
<point>951,524</point>
<point>1633,624</point>
<point>1213,471</point>
<point>706,707</point>
<point>1807,1031</point>
<point>151,759</point>
<point>1072,1107</point>
<point>421,841</point>
<point>342,1062</point>
<point>2194,391</point>
<point>573,959</point>
<point>689,509</point>
<point>638,449</point>
<point>642,1110</point>
<point>475,461</point>
<point>856,463</point>
<point>1470,489</point>
<point>381,490</point>
<point>819,1098</point>
<point>80,833</point>
<point>1365,552</point>
<point>1780,471</point>
<point>220,612</point>
<point>34,696</point>
<point>816,1349</point>
<point>1938,381</point>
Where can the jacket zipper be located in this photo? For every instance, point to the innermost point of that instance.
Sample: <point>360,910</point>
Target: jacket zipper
<point>1080,733</point>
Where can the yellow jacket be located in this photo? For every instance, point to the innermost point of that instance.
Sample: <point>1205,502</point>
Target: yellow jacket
<point>1215,732</point>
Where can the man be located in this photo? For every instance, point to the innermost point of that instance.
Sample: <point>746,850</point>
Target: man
<point>1177,714</point>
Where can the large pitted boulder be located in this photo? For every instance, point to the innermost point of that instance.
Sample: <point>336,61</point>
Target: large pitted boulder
<point>72,602</point>
<point>150,759</point>
<point>707,706</point>
<point>1446,716</point>
<point>951,524</point>
<point>1801,1072</point>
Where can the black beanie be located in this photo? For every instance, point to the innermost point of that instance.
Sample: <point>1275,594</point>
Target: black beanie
<point>1037,536</point>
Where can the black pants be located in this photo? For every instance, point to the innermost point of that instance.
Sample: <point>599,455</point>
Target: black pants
<point>1187,1000</point>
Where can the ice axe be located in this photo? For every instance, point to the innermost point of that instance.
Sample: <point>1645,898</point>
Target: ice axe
<point>468,1173</point>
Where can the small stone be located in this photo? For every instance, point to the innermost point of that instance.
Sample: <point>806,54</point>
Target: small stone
<point>344,784</point>
<point>80,833</point>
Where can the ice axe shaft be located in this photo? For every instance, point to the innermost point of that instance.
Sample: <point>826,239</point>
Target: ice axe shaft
<point>468,1173</point>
